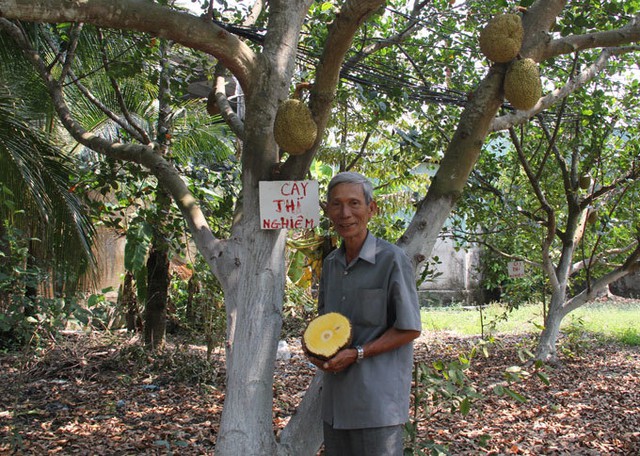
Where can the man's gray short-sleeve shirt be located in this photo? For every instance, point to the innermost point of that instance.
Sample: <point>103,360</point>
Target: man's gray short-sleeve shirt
<point>376,291</point>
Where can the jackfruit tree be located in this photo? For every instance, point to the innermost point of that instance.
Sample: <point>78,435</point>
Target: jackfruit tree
<point>566,195</point>
<point>333,46</point>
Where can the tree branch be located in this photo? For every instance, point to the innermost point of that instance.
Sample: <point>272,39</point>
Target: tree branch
<point>144,16</point>
<point>551,216</point>
<point>396,39</point>
<point>220,95</point>
<point>631,265</point>
<point>341,32</point>
<point>519,117</point>
<point>630,33</point>
<point>144,155</point>
<point>134,129</point>
<point>594,259</point>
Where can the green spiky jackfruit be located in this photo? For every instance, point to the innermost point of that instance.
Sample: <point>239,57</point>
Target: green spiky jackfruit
<point>522,85</point>
<point>501,39</point>
<point>585,181</point>
<point>294,129</point>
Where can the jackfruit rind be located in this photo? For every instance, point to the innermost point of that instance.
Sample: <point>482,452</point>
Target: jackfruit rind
<point>326,335</point>
<point>585,181</point>
<point>294,128</point>
<point>501,39</point>
<point>522,85</point>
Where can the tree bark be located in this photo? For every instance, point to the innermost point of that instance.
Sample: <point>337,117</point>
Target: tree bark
<point>155,314</point>
<point>303,434</point>
<point>546,350</point>
<point>129,304</point>
<point>254,278</point>
<point>253,297</point>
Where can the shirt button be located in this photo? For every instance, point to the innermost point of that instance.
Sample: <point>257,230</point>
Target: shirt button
<point>343,298</point>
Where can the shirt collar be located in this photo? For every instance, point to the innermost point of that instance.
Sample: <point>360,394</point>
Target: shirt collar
<point>368,250</point>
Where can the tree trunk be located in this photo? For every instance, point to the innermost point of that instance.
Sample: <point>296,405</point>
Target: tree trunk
<point>546,350</point>
<point>130,304</point>
<point>254,293</point>
<point>458,162</point>
<point>303,434</point>
<point>155,314</point>
<point>5,259</point>
<point>193,288</point>
<point>31,290</point>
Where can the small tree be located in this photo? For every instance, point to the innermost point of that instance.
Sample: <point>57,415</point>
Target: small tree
<point>563,191</point>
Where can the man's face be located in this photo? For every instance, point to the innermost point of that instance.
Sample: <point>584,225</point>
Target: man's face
<point>349,212</point>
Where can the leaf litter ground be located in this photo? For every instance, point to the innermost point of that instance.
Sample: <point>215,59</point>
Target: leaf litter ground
<point>102,395</point>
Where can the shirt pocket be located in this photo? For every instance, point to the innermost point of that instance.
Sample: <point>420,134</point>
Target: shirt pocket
<point>370,307</point>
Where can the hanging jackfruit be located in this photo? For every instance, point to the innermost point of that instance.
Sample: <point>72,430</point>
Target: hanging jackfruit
<point>585,181</point>
<point>326,335</point>
<point>294,129</point>
<point>522,85</point>
<point>501,39</point>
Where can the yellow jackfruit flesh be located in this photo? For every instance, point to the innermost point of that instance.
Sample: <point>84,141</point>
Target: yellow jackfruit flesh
<point>326,335</point>
<point>522,85</point>
<point>294,129</point>
<point>501,39</point>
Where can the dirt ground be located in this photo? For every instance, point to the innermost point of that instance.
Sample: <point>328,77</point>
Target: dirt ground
<point>102,395</point>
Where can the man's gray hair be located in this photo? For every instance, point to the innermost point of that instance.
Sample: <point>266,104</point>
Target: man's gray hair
<point>349,177</point>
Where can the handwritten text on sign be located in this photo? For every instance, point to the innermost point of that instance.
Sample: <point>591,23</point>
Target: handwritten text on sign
<point>289,205</point>
<point>516,269</point>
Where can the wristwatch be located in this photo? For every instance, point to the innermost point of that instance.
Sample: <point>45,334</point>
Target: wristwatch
<point>360,351</point>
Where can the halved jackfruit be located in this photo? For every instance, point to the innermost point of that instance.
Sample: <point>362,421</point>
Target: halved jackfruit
<point>326,335</point>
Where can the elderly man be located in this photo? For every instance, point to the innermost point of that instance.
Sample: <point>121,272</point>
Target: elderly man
<point>365,395</point>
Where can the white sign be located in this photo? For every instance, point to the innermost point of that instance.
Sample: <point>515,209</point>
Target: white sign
<point>516,269</point>
<point>291,205</point>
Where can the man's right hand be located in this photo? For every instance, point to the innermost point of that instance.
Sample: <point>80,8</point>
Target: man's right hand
<point>342,360</point>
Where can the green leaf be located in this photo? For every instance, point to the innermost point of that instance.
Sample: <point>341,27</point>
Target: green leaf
<point>326,6</point>
<point>543,378</point>
<point>483,440</point>
<point>518,397</point>
<point>138,242</point>
<point>93,300</point>
<point>465,406</point>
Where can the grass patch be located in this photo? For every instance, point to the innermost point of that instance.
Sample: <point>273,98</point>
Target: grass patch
<point>629,336</point>
<point>610,319</point>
